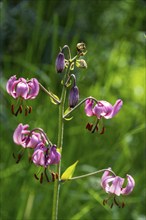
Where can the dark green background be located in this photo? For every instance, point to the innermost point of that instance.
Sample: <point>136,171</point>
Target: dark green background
<point>31,33</point>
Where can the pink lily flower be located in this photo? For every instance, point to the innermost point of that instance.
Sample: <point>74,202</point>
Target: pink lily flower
<point>21,137</point>
<point>102,108</point>
<point>113,184</point>
<point>43,156</point>
<point>22,88</point>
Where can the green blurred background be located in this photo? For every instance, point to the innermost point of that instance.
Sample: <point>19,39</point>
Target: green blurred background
<point>31,33</point>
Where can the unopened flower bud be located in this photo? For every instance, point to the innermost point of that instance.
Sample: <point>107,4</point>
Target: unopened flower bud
<point>81,47</point>
<point>60,63</point>
<point>81,63</point>
<point>73,96</point>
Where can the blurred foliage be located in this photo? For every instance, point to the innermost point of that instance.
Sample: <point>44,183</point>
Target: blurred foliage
<point>31,33</point>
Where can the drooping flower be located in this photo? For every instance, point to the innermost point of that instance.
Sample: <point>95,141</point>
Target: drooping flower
<point>23,90</point>
<point>60,63</point>
<point>44,156</point>
<point>113,185</point>
<point>102,109</point>
<point>24,137</point>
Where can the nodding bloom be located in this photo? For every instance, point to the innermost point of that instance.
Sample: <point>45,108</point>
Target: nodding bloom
<point>27,139</point>
<point>60,63</point>
<point>22,88</point>
<point>113,185</point>
<point>102,109</point>
<point>44,156</point>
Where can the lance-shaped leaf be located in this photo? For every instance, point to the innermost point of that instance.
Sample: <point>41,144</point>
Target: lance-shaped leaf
<point>54,98</point>
<point>66,112</point>
<point>68,173</point>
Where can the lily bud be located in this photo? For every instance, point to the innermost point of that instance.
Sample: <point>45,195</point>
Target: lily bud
<point>81,47</point>
<point>73,96</point>
<point>81,63</point>
<point>60,63</point>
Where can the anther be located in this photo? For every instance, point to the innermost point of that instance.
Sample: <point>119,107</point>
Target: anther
<point>123,205</point>
<point>103,130</point>
<point>53,176</point>
<point>89,126</point>
<point>41,178</point>
<point>30,109</point>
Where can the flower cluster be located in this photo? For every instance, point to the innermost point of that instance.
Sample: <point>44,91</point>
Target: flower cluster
<point>113,186</point>
<point>44,152</point>
<point>22,89</point>
<point>43,155</point>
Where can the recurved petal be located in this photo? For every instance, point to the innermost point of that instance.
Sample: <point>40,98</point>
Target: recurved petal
<point>33,88</point>
<point>130,185</point>
<point>88,107</point>
<point>10,84</point>
<point>54,156</point>
<point>18,134</point>
<point>115,109</point>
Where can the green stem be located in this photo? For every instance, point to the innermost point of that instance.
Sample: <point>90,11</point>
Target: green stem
<point>80,103</point>
<point>49,93</point>
<point>59,145</point>
<point>91,174</point>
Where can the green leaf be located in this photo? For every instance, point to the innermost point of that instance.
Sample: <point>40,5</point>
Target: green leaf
<point>68,119</point>
<point>68,173</point>
<point>54,99</point>
<point>66,112</point>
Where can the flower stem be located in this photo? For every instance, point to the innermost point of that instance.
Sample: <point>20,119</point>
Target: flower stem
<point>91,174</point>
<point>80,103</point>
<point>59,145</point>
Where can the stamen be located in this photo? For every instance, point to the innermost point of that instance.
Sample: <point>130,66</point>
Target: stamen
<point>123,205</point>
<point>12,109</point>
<point>95,128</point>
<point>89,126</point>
<point>46,175</point>
<point>36,177</point>
<point>20,109</point>
<point>104,201</point>
<point>103,130</point>
<point>53,176</point>
<point>116,202</point>
<point>57,176</point>
<point>19,157</point>
<point>41,178</point>
<point>111,205</point>
<point>30,109</point>
<point>17,111</point>
<point>26,112</point>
